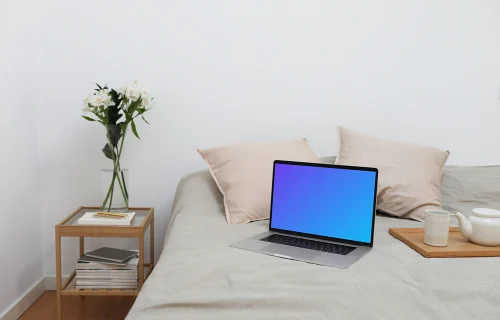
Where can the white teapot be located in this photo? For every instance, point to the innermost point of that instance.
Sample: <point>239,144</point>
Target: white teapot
<point>482,228</point>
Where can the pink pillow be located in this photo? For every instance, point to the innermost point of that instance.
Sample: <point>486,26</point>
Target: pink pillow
<point>409,175</point>
<point>244,172</point>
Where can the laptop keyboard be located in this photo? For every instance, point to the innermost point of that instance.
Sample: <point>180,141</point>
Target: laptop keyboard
<point>309,244</point>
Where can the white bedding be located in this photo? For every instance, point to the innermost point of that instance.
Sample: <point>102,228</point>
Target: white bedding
<point>199,276</point>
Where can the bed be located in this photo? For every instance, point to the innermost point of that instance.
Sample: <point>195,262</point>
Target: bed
<point>198,276</point>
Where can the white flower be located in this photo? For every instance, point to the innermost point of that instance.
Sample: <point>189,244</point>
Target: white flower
<point>145,93</point>
<point>102,98</point>
<point>130,92</point>
<point>86,107</point>
<point>147,102</point>
<point>133,93</point>
<point>147,99</point>
<point>122,91</point>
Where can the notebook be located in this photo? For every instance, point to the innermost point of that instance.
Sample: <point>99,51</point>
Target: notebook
<point>112,254</point>
<point>89,263</point>
<point>87,259</point>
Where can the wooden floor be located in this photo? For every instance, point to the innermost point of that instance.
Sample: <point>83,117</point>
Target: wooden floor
<point>95,308</point>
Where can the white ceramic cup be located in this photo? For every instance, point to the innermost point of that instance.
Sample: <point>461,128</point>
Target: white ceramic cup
<point>436,227</point>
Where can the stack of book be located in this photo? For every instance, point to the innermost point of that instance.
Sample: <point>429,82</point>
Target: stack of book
<point>107,268</point>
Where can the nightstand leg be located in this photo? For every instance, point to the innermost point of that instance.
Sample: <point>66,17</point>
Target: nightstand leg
<point>82,246</point>
<point>151,246</point>
<point>141,261</point>
<point>58,277</point>
<point>82,251</point>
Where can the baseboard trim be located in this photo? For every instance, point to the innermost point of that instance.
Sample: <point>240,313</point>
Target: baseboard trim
<point>18,307</point>
<point>50,282</point>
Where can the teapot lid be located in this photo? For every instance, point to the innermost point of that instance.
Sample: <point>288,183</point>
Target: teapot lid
<point>486,213</point>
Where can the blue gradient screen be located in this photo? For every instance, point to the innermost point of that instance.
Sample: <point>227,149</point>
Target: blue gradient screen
<point>325,201</point>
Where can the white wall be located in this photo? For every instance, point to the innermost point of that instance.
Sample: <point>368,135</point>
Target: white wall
<point>21,262</point>
<point>229,71</point>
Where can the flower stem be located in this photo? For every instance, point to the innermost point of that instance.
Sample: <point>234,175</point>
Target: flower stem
<point>112,188</point>
<point>115,169</point>
<point>121,144</point>
<point>118,161</point>
<point>121,188</point>
<point>106,198</point>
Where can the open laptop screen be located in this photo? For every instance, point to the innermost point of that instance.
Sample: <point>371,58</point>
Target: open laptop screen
<point>323,200</point>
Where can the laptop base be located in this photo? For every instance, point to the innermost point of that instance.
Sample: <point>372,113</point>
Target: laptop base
<point>254,244</point>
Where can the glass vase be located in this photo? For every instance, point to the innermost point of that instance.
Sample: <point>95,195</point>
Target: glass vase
<point>115,195</point>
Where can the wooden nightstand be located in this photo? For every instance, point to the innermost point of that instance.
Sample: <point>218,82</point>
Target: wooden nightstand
<point>69,227</point>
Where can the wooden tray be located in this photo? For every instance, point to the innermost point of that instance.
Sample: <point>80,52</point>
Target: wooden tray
<point>457,247</point>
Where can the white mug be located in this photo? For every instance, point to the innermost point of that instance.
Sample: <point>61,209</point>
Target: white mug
<point>436,227</point>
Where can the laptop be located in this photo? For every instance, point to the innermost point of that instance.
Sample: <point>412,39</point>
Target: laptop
<point>320,213</point>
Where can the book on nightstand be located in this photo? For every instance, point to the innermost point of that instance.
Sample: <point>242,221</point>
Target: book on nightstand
<point>95,273</point>
<point>112,254</point>
<point>89,219</point>
<point>107,286</point>
<point>93,260</point>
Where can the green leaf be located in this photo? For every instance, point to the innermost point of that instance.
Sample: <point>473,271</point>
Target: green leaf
<point>103,120</point>
<point>144,119</point>
<point>114,114</point>
<point>134,105</point>
<point>108,152</point>
<point>115,134</point>
<point>98,86</point>
<point>88,118</point>
<point>115,96</point>
<point>134,129</point>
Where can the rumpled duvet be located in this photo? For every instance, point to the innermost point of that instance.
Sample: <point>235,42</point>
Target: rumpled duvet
<point>198,276</point>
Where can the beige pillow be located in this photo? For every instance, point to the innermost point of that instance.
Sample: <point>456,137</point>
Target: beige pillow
<point>409,175</point>
<point>244,173</point>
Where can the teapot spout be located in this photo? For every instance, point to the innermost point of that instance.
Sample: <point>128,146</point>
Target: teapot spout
<point>464,224</point>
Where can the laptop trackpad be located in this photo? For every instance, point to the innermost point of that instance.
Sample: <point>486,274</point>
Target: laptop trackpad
<point>290,251</point>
